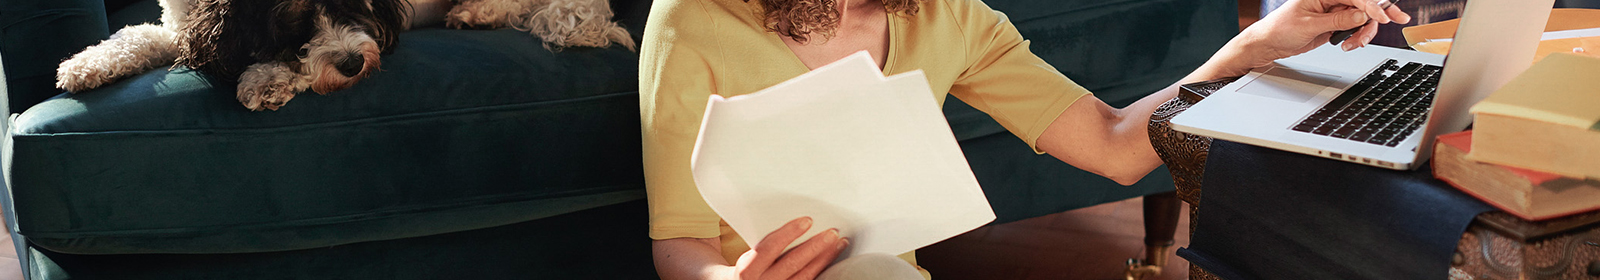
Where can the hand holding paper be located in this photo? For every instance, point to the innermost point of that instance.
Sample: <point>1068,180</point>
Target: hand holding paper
<point>869,155</point>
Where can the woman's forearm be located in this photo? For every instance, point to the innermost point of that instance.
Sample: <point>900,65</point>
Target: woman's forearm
<point>689,258</point>
<point>1115,143</point>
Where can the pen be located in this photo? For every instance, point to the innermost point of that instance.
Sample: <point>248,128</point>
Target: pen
<point>1339,36</point>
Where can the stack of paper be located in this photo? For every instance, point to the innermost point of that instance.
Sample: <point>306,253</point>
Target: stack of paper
<point>867,154</point>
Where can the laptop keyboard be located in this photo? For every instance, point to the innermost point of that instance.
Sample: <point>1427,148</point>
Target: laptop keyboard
<point>1380,109</point>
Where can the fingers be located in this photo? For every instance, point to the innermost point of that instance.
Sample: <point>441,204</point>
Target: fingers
<point>1397,15</point>
<point>1348,18</point>
<point>813,250</point>
<point>1361,37</point>
<point>1374,9</point>
<point>755,262</point>
<point>821,263</point>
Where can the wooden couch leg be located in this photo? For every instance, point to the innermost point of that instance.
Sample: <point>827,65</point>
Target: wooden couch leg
<point>1160,225</point>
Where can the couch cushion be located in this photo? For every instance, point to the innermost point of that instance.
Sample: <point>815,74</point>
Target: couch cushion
<point>461,130</point>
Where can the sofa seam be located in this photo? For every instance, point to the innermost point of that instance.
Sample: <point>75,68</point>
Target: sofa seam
<point>317,221</point>
<point>21,136</point>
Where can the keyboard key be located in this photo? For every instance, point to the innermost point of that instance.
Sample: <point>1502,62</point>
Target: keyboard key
<point>1361,119</point>
<point>1383,136</point>
<point>1409,68</point>
<point>1325,129</point>
<point>1395,142</point>
<point>1344,132</point>
<point>1305,127</point>
<point>1362,135</point>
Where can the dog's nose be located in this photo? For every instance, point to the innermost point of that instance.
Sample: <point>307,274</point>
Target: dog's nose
<point>351,65</point>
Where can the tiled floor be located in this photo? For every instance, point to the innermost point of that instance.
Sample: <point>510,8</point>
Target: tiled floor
<point>1088,243</point>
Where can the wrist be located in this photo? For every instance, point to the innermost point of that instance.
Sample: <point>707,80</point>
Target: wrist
<point>1231,60</point>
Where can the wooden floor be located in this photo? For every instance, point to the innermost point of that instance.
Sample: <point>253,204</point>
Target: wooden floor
<point>10,269</point>
<point>1088,243</point>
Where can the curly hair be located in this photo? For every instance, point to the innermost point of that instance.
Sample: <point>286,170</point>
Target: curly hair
<point>805,18</point>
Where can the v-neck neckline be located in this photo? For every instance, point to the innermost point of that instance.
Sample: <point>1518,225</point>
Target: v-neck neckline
<point>889,55</point>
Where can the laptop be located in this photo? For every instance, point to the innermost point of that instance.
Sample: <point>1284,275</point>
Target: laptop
<point>1376,105</point>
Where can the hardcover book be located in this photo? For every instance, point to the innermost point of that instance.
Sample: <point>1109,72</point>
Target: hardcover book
<point>1546,119</point>
<point>1528,194</point>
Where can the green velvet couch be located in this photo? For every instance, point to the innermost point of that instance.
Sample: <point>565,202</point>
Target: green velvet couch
<point>475,154</point>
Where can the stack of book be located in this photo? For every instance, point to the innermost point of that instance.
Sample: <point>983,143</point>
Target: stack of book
<point>1534,150</point>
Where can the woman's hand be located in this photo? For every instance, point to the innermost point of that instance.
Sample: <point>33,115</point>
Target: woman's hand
<point>767,260</point>
<point>1301,25</point>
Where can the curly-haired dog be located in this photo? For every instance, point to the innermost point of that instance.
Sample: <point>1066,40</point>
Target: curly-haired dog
<point>277,48</point>
<point>273,49</point>
<point>560,23</point>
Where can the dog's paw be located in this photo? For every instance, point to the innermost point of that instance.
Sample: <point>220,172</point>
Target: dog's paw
<point>479,14</point>
<point>576,23</point>
<point>80,74</point>
<point>268,86</point>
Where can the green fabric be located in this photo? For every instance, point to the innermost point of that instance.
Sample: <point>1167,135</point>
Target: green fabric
<point>36,35</point>
<point>462,130</point>
<point>602,243</point>
<point>132,12</point>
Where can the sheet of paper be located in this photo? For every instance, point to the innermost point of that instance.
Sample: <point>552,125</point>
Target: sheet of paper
<point>867,154</point>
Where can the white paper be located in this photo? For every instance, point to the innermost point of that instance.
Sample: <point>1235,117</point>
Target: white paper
<point>854,150</point>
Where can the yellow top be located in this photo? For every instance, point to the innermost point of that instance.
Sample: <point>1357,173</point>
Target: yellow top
<point>695,48</point>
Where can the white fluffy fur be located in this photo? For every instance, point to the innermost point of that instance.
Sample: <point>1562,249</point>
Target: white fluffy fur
<point>133,49</point>
<point>560,23</point>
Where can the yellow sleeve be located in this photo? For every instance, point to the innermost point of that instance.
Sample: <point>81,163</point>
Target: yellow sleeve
<point>674,84</point>
<point>1005,79</point>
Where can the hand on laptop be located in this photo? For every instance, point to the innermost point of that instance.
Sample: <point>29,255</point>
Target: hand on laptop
<point>1302,25</point>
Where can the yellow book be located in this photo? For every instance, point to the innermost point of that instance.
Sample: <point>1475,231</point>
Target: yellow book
<point>1546,119</point>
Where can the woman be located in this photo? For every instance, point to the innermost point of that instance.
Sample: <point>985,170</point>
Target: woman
<point>695,48</point>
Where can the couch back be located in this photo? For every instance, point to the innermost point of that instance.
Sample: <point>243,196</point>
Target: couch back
<point>36,35</point>
<point>1119,49</point>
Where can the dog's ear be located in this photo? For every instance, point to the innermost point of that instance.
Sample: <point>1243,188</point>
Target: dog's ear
<point>223,36</point>
<point>390,17</point>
